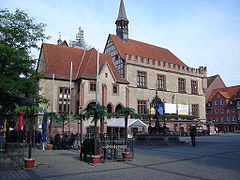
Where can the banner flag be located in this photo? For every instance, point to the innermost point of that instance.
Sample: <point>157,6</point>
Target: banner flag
<point>44,128</point>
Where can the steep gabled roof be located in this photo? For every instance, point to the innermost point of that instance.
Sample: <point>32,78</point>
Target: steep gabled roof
<point>64,43</point>
<point>227,92</point>
<point>211,79</point>
<point>224,94</point>
<point>144,50</point>
<point>58,58</point>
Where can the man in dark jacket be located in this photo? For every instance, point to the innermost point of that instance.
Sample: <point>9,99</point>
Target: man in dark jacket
<point>193,133</point>
<point>56,142</point>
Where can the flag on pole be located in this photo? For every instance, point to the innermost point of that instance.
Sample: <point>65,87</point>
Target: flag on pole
<point>4,125</point>
<point>152,110</point>
<point>44,128</point>
<point>20,121</point>
<point>70,96</point>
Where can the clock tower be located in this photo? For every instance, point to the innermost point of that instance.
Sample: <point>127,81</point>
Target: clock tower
<point>122,23</point>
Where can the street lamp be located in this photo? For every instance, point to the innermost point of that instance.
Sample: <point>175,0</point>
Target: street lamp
<point>158,106</point>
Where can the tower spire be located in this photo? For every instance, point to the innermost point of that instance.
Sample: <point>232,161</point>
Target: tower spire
<point>59,40</point>
<point>122,23</point>
<point>122,13</point>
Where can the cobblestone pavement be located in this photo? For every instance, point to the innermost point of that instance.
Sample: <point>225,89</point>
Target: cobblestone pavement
<point>214,157</point>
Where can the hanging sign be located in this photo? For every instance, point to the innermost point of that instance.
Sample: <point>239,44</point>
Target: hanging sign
<point>170,108</point>
<point>182,109</point>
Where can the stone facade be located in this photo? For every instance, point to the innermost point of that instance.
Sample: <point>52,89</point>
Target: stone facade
<point>82,96</point>
<point>122,62</point>
<point>172,76</point>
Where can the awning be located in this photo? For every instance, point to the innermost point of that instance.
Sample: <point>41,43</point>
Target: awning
<point>131,122</point>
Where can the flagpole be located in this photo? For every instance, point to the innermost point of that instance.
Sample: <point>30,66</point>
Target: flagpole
<point>97,78</point>
<point>53,77</point>
<point>52,108</point>
<point>70,95</point>
<point>4,127</point>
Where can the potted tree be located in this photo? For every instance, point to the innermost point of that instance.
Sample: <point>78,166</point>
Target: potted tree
<point>30,111</point>
<point>80,118</point>
<point>125,113</point>
<point>62,118</point>
<point>97,112</point>
<point>52,116</point>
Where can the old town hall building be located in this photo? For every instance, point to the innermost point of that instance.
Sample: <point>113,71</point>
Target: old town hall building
<point>130,73</point>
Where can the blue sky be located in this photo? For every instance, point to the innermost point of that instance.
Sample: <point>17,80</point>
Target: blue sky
<point>199,32</point>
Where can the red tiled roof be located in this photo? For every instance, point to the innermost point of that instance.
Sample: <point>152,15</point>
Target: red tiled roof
<point>227,92</point>
<point>58,58</point>
<point>224,94</point>
<point>144,50</point>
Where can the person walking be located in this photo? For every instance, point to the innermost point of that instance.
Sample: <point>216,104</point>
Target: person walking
<point>193,133</point>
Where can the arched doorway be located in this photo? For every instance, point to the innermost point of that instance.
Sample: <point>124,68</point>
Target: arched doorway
<point>90,104</point>
<point>109,108</point>
<point>118,107</point>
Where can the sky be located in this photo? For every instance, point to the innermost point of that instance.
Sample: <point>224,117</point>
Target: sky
<point>199,32</point>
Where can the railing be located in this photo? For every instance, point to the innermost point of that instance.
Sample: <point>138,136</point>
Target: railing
<point>113,145</point>
<point>16,153</point>
<point>13,149</point>
<point>113,149</point>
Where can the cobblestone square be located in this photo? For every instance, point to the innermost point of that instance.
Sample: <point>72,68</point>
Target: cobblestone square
<point>214,157</point>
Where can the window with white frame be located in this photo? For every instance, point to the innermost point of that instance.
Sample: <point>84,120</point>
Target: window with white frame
<point>222,102</point>
<point>233,118</point>
<point>238,104</point>
<point>142,106</point>
<point>142,79</point>
<point>195,110</point>
<point>194,87</point>
<point>64,99</point>
<point>216,102</point>
<point>181,85</point>
<point>161,81</point>
<point>115,89</point>
<point>228,110</point>
<point>92,86</point>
